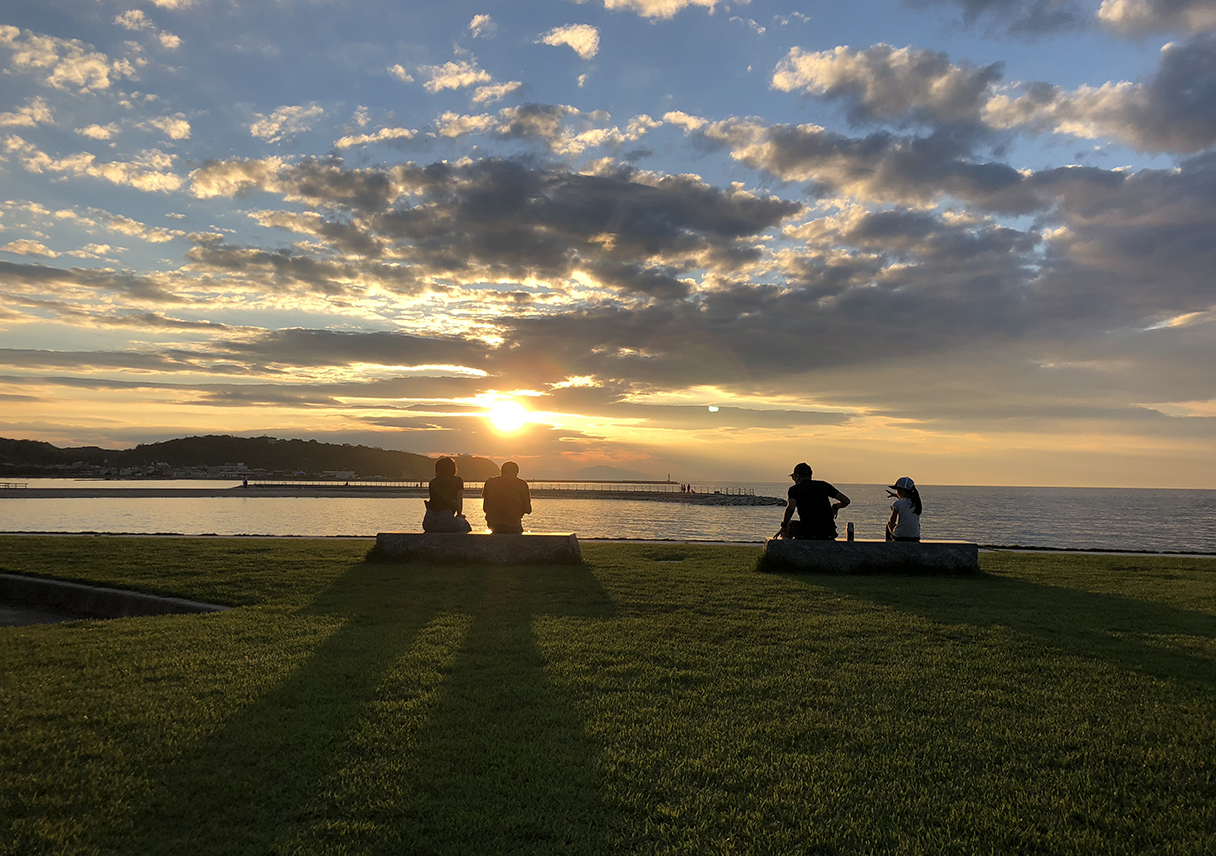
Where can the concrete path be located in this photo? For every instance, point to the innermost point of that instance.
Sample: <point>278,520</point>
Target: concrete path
<point>21,616</point>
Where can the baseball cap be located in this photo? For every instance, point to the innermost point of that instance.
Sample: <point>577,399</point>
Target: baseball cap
<point>803,469</point>
<point>904,483</point>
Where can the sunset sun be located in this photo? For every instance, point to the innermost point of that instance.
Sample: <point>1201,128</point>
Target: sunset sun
<point>508,416</point>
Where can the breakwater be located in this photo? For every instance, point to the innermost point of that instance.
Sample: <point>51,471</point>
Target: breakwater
<point>365,491</point>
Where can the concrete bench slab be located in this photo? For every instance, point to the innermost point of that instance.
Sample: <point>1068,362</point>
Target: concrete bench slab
<point>86,601</point>
<point>872,557</point>
<point>448,548</point>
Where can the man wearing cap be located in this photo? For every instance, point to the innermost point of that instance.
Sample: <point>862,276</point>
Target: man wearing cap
<point>816,511</point>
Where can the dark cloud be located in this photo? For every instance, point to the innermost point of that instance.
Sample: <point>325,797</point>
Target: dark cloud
<point>1173,110</point>
<point>288,268</point>
<point>164,361</point>
<point>302,347</point>
<point>884,83</point>
<point>44,279</point>
<point>495,218</point>
<point>887,167</point>
<point>1017,17</point>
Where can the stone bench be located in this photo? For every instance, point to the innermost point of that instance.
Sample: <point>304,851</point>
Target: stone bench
<point>448,548</point>
<point>871,557</point>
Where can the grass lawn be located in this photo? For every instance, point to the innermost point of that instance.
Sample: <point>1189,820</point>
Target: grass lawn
<point>659,698</point>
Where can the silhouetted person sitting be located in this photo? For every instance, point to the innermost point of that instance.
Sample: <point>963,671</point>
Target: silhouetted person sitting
<point>505,500</point>
<point>816,511</point>
<point>444,509</point>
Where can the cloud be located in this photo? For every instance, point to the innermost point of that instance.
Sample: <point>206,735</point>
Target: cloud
<point>149,171</point>
<point>656,8</point>
<point>482,26</point>
<point>490,94</point>
<point>99,132</point>
<point>136,229</point>
<point>1018,17</point>
<point>137,21</point>
<point>884,83</point>
<point>285,120</point>
<point>565,130</point>
<point>584,39</point>
<point>1174,110</point>
<point>752,24</point>
<point>65,63</point>
<point>315,182</point>
<point>174,127</point>
<point>1142,17</point>
<point>26,247</point>
<point>886,167</point>
<point>34,112</point>
<point>398,71</point>
<point>134,20</point>
<point>618,232</point>
<point>330,347</point>
<point>453,75</point>
<point>38,279</point>
<point>381,136</point>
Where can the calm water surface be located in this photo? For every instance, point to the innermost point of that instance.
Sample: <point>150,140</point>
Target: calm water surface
<point>1092,518</point>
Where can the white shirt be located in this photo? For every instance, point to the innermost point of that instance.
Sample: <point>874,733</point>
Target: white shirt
<point>907,521</point>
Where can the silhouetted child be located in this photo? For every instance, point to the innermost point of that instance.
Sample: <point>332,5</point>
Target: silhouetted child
<point>904,524</point>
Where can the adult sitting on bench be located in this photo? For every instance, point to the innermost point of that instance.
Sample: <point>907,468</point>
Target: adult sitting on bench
<point>505,500</point>
<point>445,507</point>
<point>816,511</point>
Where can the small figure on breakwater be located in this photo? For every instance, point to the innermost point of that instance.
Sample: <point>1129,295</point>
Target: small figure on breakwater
<point>812,499</point>
<point>904,524</point>
<point>505,499</point>
<point>445,507</point>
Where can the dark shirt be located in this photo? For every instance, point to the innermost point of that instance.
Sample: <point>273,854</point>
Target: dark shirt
<point>505,500</point>
<point>813,499</point>
<point>444,493</point>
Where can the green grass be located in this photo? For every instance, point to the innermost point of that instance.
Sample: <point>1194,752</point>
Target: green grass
<point>658,699</point>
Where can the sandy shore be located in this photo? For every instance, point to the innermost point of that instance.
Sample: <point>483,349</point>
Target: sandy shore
<point>365,491</point>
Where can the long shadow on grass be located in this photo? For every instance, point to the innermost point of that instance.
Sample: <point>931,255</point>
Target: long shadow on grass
<point>502,763</point>
<point>1095,624</point>
<point>499,756</point>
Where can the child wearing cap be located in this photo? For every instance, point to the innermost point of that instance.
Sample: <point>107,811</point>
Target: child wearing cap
<point>904,524</point>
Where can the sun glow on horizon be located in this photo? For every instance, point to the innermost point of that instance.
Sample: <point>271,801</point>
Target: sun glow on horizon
<point>507,415</point>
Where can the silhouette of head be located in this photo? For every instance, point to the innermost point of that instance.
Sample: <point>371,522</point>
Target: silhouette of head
<point>445,466</point>
<point>510,469</point>
<point>802,470</point>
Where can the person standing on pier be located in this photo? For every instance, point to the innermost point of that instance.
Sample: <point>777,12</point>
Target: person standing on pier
<point>813,501</point>
<point>505,499</point>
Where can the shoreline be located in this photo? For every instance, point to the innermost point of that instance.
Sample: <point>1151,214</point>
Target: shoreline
<point>984,548</point>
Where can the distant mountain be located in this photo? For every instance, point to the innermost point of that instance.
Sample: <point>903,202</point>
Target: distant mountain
<point>602,473</point>
<point>32,457</point>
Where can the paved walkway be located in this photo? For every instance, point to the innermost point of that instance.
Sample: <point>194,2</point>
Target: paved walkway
<point>20,616</point>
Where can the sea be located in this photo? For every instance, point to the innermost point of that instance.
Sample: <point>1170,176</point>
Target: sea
<point>1115,519</point>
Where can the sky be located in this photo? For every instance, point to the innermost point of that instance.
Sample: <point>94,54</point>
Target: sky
<point>967,241</point>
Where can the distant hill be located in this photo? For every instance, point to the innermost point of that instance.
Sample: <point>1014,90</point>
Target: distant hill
<point>36,453</point>
<point>266,453</point>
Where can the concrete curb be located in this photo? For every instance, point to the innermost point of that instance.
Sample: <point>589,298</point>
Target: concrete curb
<point>87,601</point>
